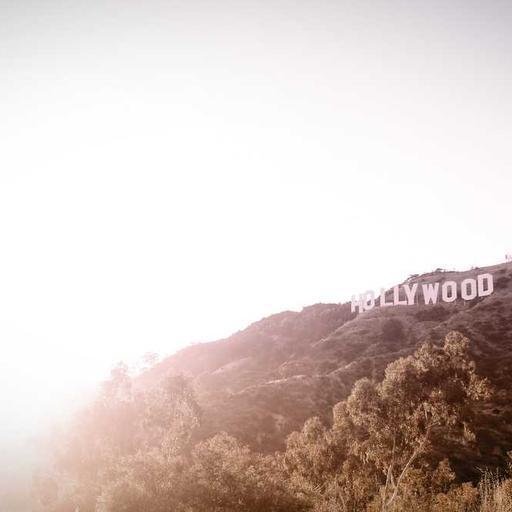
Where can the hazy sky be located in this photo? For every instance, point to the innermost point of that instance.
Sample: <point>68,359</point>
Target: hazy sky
<point>171,171</point>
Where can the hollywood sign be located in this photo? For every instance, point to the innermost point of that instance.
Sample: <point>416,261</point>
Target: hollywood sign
<point>432,293</point>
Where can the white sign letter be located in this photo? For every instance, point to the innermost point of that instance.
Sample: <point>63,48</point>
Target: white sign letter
<point>411,293</point>
<point>383,302</point>
<point>468,294</point>
<point>369,300</point>
<point>396,297</point>
<point>482,290</point>
<point>357,303</point>
<point>430,293</point>
<point>449,291</point>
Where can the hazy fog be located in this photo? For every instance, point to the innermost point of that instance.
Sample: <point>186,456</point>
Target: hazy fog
<point>171,171</point>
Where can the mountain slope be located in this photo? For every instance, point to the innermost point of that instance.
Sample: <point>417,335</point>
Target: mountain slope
<point>262,383</point>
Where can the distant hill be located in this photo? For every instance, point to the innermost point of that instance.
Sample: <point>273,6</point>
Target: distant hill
<point>262,383</point>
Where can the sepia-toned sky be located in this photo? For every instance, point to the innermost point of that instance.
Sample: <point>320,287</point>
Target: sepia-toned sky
<point>171,171</point>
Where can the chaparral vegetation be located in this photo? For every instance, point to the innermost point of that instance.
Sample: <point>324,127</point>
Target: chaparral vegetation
<point>398,409</point>
<point>136,449</point>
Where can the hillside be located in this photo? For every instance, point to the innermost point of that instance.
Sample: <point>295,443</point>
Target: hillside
<point>263,382</point>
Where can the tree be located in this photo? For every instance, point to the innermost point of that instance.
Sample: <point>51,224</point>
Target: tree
<point>228,477</point>
<point>312,456</point>
<point>127,446</point>
<point>392,424</point>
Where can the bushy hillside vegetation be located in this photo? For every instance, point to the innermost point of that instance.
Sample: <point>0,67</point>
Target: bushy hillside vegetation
<point>397,409</point>
<point>134,451</point>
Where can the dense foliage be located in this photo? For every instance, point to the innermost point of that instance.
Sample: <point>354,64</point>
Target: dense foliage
<point>138,450</point>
